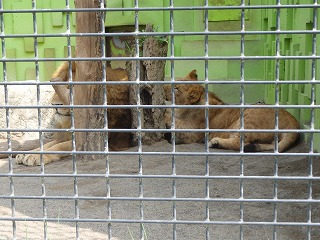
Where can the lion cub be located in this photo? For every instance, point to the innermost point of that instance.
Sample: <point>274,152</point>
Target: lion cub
<point>117,118</point>
<point>228,118</point>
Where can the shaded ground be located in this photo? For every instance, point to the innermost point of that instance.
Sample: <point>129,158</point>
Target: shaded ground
<point>158,185</point>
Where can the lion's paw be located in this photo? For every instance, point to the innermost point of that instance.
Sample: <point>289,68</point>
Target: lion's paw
<point>19,158</point>
<point>30,159</point>
<point>214,143</point>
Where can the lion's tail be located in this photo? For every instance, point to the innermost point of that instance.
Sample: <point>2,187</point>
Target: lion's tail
<point>288,140</point>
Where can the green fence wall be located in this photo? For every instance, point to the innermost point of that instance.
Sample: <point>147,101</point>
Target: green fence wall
<point>22,23</point>
<point>185,46</point>
<point>295,69</point>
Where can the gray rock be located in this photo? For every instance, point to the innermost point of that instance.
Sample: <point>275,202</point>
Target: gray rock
<point>26,117</point>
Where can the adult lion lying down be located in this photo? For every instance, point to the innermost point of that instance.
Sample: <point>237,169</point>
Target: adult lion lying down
<point>117,118</point>
<point>227,118</point>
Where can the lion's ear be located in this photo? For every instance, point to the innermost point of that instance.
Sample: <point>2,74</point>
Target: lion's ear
<point>195,94</point>
<point>193,75</point>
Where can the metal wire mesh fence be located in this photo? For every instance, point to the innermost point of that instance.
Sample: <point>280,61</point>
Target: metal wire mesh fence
<point>166,190</point>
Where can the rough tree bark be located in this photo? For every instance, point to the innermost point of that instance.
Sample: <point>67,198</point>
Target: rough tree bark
<point>86,47</point>
<point>150,94</point>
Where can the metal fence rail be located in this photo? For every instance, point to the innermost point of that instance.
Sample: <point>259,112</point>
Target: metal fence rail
<point>165,191</point>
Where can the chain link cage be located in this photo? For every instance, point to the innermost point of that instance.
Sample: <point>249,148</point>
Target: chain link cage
<point>244,51</point>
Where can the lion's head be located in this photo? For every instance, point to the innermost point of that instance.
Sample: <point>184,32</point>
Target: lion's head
<point>191,76</point>
<point>188,94</point>
<point>56,101</point>
<point>62,92</point>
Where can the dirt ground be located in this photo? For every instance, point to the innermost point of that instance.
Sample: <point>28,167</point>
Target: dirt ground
<point>26,204</point>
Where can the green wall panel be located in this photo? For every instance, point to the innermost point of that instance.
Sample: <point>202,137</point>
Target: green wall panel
<point>305,114</point>
<point>317,119</point>
<point>294,69</point>
<point>30,73</point>
<point>23,22</point>
<point>57,17</point>
<point>49,66</point>
<point>28,44</point>
<point>225,15</point>
<point>11,66</point>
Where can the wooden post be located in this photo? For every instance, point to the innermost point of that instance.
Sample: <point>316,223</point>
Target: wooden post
<point>150,94</point>
<point>86,47</point>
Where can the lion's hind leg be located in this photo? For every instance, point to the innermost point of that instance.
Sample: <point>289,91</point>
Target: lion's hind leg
<point>250,143</point>
<point>232,143</point>
<point>285,142</point>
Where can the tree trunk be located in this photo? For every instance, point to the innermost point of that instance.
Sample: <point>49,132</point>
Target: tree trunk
<point>86,47</point>
<point>150,94</point>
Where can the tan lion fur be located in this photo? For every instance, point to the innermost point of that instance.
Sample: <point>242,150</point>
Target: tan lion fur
<point>192,76</point>
<point>117,118</point>
<point>228,118</point>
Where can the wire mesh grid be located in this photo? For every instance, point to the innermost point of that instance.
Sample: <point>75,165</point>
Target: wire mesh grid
<point>167,190</point>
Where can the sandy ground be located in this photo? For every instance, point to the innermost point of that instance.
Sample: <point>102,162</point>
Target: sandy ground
<point>29,210</point>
